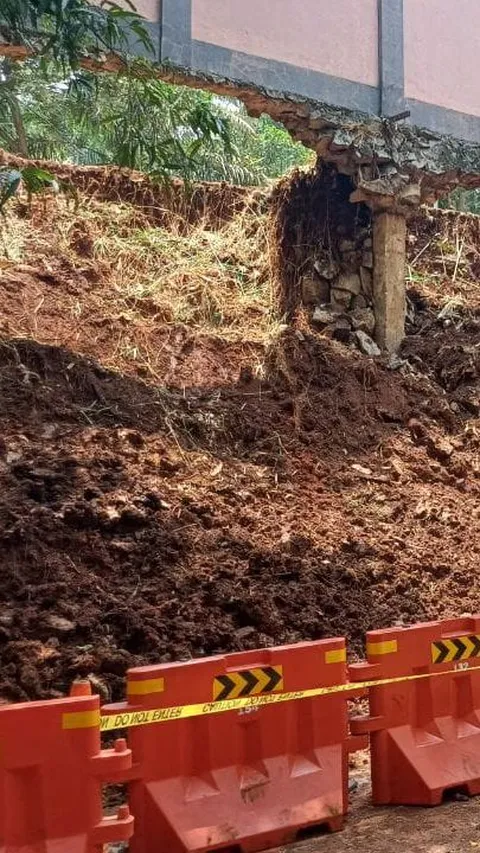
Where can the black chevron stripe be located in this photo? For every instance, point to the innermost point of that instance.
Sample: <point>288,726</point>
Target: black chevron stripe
<point>228,686</point>
<point>443,649</point>
<point>274,676</point>
<point>250,682</point>
<point>461,648</point>
<point>476,642</point>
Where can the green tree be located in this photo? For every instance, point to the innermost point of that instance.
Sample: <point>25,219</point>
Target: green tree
<point>68,30</point>
<point>141,122</point>
<point>50,107</point>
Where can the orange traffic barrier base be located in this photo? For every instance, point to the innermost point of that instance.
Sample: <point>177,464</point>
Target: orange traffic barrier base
<point>244,780</point>
<point>51,773</point>
<point>425,733</point>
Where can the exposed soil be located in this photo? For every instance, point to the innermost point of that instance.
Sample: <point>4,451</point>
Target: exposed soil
<point>221,495</point>
<point>451,828</point>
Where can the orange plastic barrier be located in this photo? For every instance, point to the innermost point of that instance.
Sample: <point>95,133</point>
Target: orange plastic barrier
<point>425,733</point>
<point>244,780</point>
<point>51,770</point>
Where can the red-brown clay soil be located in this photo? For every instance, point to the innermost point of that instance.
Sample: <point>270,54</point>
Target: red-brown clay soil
<point>215,495</point>
<point>227,497</point>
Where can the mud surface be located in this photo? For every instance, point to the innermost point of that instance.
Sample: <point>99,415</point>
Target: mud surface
<point>450,828</point>
<point>221,495</point>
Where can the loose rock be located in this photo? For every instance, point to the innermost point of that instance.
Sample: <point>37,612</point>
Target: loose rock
<point>59,624</point>
<point>350,282</point>
<point>315,291</point>
<point>360,301</point>
<point>363,319</point>
<point>341,299</point>
<point>326,315</point>
<point>326,268</point>
<point>367,345</point>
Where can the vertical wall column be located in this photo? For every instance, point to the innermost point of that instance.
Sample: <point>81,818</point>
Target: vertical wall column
<point>391,57</point>
<point>389,251</point>
<point>176,32</point>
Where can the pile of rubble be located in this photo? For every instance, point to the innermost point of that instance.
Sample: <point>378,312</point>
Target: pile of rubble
<point>339,293</point>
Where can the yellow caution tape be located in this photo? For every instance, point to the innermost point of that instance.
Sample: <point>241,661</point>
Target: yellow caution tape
<point>145,717</point>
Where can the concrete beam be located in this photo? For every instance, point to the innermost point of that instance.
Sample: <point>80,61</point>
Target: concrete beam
<point>389,263</point>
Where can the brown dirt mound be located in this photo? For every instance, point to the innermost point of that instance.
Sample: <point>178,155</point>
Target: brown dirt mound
<point>175,202</point>
<point>244,494</point>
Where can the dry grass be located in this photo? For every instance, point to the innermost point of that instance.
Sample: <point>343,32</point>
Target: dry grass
<point>218,282</point>
<point>444,258</point>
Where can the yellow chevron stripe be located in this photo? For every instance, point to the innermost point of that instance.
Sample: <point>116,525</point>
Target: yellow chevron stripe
<point>440,645</point>
<point>262,679</point>
<point>470,648</point>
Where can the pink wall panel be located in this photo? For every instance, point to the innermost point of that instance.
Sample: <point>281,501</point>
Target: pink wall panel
<point>338,38</point>
<point>148,8</point>
<point>442,53</point>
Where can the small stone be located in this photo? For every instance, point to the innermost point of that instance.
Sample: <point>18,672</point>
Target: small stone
<point>6,619</point>
<point>110,513</point>
<point>132,436</point>
<point>347,246</point>
<point>351,262</point>
<point>341,299</point>
<point>366,279</point>
<point>361,469</point>
<point>367,259</point>
<point>442,449</point>
<point>325,316</point>
<point>326,268</point>
<point>395,362</point>
<point>246,631</point>
<point>360,301</point>
<point>363,320</point>
<point>350,282</point>
<point>133,517</point>
<point>367,345</point>
<point>368,243</point>
<point>58,623</point>
<point>315,291</point>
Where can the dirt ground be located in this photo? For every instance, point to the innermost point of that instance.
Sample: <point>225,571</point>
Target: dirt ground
<point>450,828</point>
<point>218,494</point>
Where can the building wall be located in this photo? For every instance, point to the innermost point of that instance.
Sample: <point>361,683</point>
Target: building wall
<point>304,34</point>
<point>148,8</point>
<point>375,56</point>
<point>442,53</point>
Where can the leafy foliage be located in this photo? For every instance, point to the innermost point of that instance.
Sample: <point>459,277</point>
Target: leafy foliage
<point>143,123</point>
<point>35,181</point>
<point>50,108</point>
<point>66,30</point>
<point>465,200</point>
<point>10,180</point>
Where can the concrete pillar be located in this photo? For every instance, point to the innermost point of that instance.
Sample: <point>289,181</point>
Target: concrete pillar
<point>389,262</point>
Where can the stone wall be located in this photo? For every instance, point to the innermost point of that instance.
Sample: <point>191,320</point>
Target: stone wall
<point>325,262</point>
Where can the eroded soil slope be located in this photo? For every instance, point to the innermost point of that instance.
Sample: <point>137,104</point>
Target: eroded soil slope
<point>173,488</point>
